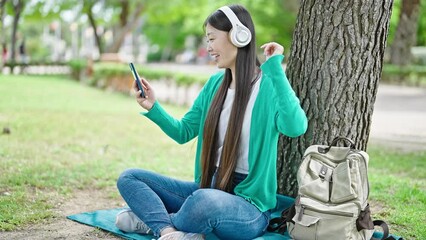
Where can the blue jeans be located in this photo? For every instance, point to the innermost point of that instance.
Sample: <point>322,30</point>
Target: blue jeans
<point>161,202</point>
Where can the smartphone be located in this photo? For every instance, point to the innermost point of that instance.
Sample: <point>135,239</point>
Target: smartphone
<point>138,81</point>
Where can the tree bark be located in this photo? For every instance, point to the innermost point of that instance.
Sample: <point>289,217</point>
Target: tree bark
<point>2,35</point>
<point>406,33</point>
<point>18,6</point>
<point>131,24</point>
<point>124,12</point>
<point>88,7</point>
<point>334,67</point>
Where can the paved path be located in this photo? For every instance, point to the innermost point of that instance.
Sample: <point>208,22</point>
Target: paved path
<point>399,117</point>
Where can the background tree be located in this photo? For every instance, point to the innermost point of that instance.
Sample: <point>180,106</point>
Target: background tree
<point>274,19</point>
<point>170,22</point>
<point>166,24</point>
<point>421,33</point>
<point>2,34</point>
<point>406,33</point>
<point>18,8</point>
<point>129,18</point>
<point>28,20</point>
<point>335,66</point>
<point>88,10</point>
<point>126,15</point>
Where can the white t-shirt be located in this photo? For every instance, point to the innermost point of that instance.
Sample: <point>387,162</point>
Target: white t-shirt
<point>242,162</point>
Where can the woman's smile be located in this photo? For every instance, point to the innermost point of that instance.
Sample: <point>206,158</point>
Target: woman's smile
<point>220,47</point>
<point>215,56</point>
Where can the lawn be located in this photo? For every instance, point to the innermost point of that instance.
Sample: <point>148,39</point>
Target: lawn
<point>66,136</point>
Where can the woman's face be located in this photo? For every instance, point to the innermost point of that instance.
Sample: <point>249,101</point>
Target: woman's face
<point>220,48</point>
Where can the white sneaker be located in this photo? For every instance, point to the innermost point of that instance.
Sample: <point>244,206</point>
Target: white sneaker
<point>178,235</point>
<point>127,221</point>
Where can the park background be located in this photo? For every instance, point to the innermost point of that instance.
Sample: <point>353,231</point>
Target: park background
<point>69,126</point>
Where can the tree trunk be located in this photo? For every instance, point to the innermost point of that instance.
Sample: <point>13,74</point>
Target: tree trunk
<point>18,7</point>
<point>88,7</point>
<point>406,33</point>
<point>130,25</point>
<point>334,66</point>
<point>2,35</point>
<point>124,12</point>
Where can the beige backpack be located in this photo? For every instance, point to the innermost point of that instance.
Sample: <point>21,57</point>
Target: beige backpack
<point>333,192</point>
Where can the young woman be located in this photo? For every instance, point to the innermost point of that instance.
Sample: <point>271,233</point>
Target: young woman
<point>237,118</point>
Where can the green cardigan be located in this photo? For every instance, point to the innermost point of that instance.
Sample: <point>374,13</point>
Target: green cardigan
<point>276,109</point>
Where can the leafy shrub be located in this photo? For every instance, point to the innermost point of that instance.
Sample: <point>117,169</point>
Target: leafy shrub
<point>77,67</point>
<point>103,71</point>
<point>407,75</point>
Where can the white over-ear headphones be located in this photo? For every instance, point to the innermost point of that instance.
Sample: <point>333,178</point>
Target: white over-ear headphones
<point>240,35</point>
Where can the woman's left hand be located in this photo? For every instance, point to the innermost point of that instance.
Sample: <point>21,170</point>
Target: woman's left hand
<point>271,49</point>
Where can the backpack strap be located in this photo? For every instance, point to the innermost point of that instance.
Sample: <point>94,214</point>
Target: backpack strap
<point>385,228</point>
<point>346,140</point>
<point>333,143</point>
<point>279,224</point>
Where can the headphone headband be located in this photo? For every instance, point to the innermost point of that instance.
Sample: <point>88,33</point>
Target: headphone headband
<point>231,16</point>
<point>240,35</point>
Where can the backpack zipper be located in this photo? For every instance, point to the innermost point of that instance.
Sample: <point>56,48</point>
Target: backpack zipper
<point>337,213</point>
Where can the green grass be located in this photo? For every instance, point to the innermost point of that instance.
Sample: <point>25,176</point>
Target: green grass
<point>398,183</point>
<point>67,136</point>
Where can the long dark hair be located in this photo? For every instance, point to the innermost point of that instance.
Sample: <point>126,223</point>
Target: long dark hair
<point>246,66</point>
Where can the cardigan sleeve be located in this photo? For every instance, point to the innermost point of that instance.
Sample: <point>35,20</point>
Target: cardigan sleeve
<point>180,130</point>
<point>290,119</point>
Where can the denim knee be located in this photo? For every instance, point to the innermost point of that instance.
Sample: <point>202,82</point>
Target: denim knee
<point>202,206</point>
<point>208,210</point>
<point>124,177</point>
<point>206,201</point>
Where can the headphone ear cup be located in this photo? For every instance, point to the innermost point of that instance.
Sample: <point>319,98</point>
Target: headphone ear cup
<point>239,34</point>
<point>233,38</point>
<point>240,37</point>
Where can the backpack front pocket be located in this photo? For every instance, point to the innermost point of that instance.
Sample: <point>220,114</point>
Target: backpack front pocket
<point>345,182</point>
<point>316,183</point>
<point>305,228</point>
<point>310,223</point>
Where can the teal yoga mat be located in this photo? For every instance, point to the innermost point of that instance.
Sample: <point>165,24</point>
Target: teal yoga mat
<point>105,219</point>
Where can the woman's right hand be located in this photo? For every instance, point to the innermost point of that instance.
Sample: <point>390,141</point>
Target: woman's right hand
<point>148,101</point>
